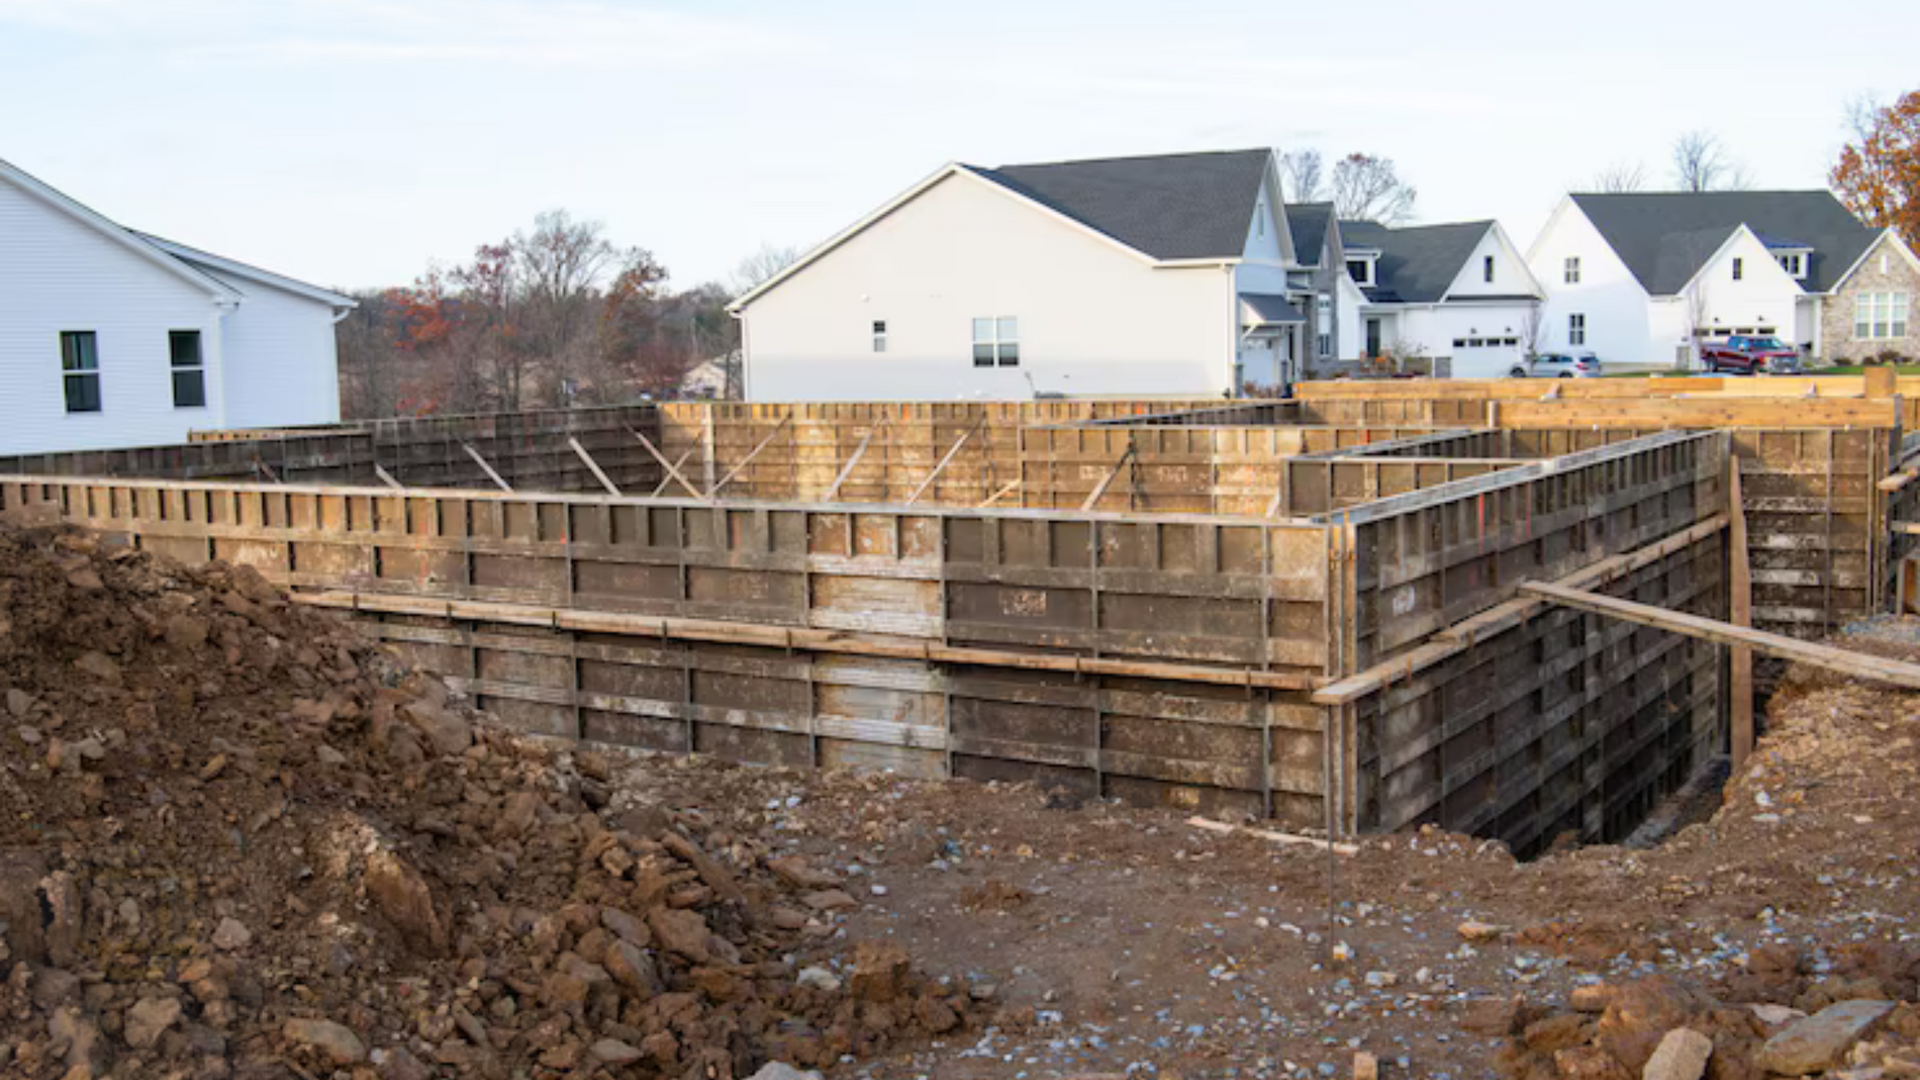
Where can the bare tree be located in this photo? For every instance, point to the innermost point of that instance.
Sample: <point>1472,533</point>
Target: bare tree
<point>1300,177</point>
<point>560,268</point>
<point>1700,163</point>
<point>756,269</point>
<point>1620,178</point>
<point>1533,329</point>
<point>1366,188</point>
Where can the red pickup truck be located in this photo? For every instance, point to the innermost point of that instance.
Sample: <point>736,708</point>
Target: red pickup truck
<point>1742,354</point>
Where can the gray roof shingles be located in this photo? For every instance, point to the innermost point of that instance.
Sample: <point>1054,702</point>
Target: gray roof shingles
<point>1416,264</point>
<point>1308,223</point>
<point>1171,206</point>
<point>1665,237</point>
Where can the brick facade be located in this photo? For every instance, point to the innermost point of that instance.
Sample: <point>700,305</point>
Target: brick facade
<point>1837,343</point>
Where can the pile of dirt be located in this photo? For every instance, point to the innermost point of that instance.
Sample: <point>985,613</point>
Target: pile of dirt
<point>236,839</point>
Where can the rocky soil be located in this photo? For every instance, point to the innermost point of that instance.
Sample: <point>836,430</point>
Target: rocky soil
<point>237,841</point>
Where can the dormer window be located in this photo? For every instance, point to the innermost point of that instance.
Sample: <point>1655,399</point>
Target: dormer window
<point>1794,263</point>
<point>1361,270</point>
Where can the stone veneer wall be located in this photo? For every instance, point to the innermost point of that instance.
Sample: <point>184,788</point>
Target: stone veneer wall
<point>1837,342</point>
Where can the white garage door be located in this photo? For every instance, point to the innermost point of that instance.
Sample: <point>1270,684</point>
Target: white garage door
<point>1485,357</point>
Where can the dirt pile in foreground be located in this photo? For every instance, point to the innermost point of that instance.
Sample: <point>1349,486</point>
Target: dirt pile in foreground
<point>235,840</point>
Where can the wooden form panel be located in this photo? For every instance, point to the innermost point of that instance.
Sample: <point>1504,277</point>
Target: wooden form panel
<point>1210,591</point>
<point>1561,722</point>
<point>1424,561</point>
<point>1210,748</point>
<point>339,455</point>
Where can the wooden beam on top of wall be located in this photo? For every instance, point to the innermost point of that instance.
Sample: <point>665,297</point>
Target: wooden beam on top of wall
<point>1859,665</point>
<point>1906,526</point>
<point>947,457</point>
<point>1740,613</point>
<point>486,468</point>
<point>751,454</point>
<point>594,466</point>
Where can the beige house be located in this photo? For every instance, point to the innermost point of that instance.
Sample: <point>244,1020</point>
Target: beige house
<point>1870,311</point>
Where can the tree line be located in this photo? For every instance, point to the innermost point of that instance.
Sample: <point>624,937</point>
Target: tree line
<point>555,316</point>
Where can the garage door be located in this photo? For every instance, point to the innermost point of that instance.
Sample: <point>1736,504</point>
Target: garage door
<point>1485,357</point>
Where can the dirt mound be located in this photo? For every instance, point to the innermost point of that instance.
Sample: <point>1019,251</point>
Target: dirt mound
<point>238,840</point>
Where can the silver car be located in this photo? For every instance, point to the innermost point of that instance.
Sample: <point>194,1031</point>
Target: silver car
<point>1583,365</point>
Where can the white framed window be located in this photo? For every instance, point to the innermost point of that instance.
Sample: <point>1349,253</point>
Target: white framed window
<point>1739,265</point>
<point>1361,271</point>
<point>1577,329</point>
<point>1880,316</point>
<point>1259,219</point>
<point>879,335</point>
<point>1795,264</point>
<point>996,341</point>
<point>189,369</point>
<point>1573,269</point>
<point>1323,326</point>
<point>1486,270</point>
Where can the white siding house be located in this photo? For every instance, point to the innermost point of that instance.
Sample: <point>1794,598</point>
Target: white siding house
<point>1457,294</point>
<point>109,338</point>
<point>1642,278</point>
<point>1133,276</point>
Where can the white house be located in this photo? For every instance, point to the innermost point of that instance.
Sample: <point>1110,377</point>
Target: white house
<point>1165,275</point>
<point>1643,277</point>
<point>1457,294</point>
<point>110,337</point>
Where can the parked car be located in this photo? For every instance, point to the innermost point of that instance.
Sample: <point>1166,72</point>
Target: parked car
<point>1744,354</point>
<point>1557,366</point>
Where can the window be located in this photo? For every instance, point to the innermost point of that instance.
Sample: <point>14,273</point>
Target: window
<point>1576,329</point>
<point>1486,270</point>
<point>879,335</point>
<point>1737,266</point>
<point>996,341</point>
<point>1361,271</point>
<point>1795,265</point>
<point>80,368</point>
<point>189,373</point>
<point>1259,219</point>
<point>1323,325</point>
<point>1573,269</point>
<point>1879,316</point>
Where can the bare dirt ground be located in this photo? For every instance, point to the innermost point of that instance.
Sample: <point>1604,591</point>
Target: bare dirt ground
<point>418,893</point>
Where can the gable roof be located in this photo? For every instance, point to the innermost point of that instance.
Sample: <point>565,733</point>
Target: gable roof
<point>1665,237</point>
<point>1309,224</point>
<point>1169,206</point>
<point>209,261</point>
<point>85,215</point>
<point>1416,264</point>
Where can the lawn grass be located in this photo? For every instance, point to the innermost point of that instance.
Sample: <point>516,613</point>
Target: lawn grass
<point>1855,369</point>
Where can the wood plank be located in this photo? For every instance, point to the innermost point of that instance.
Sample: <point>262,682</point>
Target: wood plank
<point>1740,613</point>
<point>1100,489</point>
<point>486,468</point>
<point>672,467</point>
<point>1860,665</point>
<point>593,466</point>
<point>751,454</point>
<point>853,460</point>
<point>945,458</point>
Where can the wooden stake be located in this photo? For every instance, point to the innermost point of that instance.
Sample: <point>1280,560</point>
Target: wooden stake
<point>1861,665</point>
<point>957,444</point>
<point>386,477</point>
<point>847,469</point>
<point>1740,613</point>
<point>751,454</point>
<point>1003,492</point>
<point>486,468</point>
<point>1224,829</point>
<point>1094,499</point>
<point>594,466</point>
<point>673,468</point>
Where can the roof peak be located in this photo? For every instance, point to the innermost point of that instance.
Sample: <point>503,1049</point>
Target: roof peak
<point>1114,159</point>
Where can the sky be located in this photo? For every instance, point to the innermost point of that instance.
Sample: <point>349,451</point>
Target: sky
<point>352,143</point>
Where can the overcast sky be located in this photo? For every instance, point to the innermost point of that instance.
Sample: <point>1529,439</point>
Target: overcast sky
<point>350,142</point>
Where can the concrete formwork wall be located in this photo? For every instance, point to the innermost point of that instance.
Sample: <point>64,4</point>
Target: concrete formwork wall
<point>528,450</point>
<point>1165,659</point>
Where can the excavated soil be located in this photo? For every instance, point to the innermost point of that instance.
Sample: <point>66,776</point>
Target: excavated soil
<point>459,900</point>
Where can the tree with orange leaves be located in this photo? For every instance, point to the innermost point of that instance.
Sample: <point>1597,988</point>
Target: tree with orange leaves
<point>1878,174</point>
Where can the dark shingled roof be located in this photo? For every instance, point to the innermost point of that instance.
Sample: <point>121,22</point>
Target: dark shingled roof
<point>1172,206</point>
<point>1308,223</point>
<point>1665,237</point>
<point>1416,264</point>
<point>1272,309</point>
